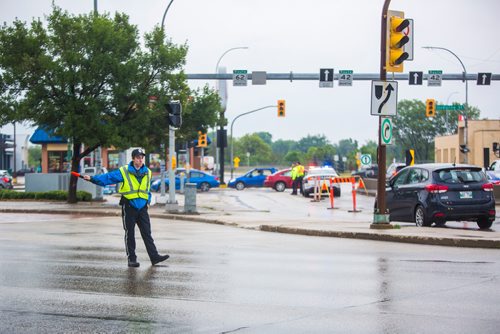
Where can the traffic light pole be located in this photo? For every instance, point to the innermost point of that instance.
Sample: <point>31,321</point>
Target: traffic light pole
<point>231,132</point>
<point>172,205</point>
<point>380,216</point>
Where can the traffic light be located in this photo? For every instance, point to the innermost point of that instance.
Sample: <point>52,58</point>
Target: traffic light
<point>281,108</point>
<point>202,139</point>
<point>397,38</point>
<point>174,109</point>
<point>430,108</point>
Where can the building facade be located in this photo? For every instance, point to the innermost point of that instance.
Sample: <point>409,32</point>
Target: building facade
<point>481,134</point>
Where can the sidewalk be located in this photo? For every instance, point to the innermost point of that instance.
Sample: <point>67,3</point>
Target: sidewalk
<point>222,206</point>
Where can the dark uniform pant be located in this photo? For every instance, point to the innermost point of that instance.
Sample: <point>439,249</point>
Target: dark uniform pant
<point>130,217</point>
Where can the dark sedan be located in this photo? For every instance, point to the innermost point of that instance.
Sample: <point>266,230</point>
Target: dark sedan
<point>436,193</point>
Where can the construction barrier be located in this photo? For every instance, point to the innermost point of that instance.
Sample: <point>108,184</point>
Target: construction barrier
<point>355,185</point>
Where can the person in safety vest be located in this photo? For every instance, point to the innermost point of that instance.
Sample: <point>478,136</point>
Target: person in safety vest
<point>135,181</point>
<point>294,178</point>
<point>300,175</point>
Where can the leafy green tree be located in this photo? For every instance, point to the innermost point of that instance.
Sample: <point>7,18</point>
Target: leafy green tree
<point>348,148</point>
<point>413,130</point>
<point>259,150</point>
<point>87,78</point>
<point>34,155</point>
<point>312,141</point>
<point>370,148</point>
<point>320,155</point>
<point>266,137</point>
<point>281,148</point>
<point>294,156</point>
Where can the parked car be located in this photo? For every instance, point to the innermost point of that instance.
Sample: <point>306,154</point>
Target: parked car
<point>393,169</point>
<point>324,174</point>
<point>254,178</point>
<point>204,181</point>
<point>279,180</point>
<point>5,180</point>
<point>367,172</point>
<point>109,189</point>
<point>437,193</point>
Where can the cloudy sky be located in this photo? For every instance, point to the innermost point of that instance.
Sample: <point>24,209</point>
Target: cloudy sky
<point>304,36</point>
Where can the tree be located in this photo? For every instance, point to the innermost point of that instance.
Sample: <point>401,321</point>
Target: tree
<point>312,141</point>
<point>413,130</point>
<point>348,148</point>
<point>86,78</point>
<point>253,144</point>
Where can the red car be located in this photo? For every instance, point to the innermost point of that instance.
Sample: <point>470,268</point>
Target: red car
<point>280,180</point>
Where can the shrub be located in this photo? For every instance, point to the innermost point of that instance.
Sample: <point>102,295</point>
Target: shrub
<point>54,195</point>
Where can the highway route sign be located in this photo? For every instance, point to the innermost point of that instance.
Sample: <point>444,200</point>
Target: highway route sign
<point>240,78</point>
<point>345,77</point>
<point>326,77</point>
<point>435,78</point>
<point>384,98</point>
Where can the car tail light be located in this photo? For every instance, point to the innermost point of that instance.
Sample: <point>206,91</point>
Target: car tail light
<point>439,215</point>
<point>6,179</point>
<point>487,187</point>
<point>492,213</point>
<point>217,178</point>
<point>436,188</point>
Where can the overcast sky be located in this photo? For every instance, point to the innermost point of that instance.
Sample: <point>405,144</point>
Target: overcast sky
<point>304,36</point>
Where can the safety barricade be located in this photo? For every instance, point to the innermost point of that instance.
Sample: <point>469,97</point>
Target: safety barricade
<point>355,181</point>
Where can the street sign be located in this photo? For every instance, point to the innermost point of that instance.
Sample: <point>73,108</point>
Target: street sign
<point>326,77</point>
<point>384,98</point>
<point>435,78</point>
<point>240,78</point>
<point>450,107</point>
<point>483,79</point>
<point>259,77</point>
<point>345,77</point>
<point>366,159</point>
<point>386,131</point>
<point>415,78</point>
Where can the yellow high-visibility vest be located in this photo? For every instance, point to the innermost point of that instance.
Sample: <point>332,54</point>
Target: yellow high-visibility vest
<point>131,188</point>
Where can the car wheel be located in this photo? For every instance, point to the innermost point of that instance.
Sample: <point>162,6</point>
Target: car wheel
<point>420,217</point>
<point>484,223</point>
<point>240,186</point>
<point>280,186</point>
<point>204,186</point>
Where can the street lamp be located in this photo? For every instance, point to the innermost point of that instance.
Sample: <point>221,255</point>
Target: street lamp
<point>466,93</point>
<point>221,126</point>
<point>231,134</point>
<point>165,14</point>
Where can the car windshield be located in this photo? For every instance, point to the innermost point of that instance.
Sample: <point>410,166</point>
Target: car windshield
<point>460,175</point>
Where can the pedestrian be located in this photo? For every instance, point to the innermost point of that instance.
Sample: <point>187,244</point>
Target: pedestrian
<point>300,176</point>
<point>136,197</point>
<point>294,179</point>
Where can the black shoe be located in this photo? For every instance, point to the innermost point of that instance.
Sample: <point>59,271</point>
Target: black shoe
<point>159,259</point>
<point>133,264</point>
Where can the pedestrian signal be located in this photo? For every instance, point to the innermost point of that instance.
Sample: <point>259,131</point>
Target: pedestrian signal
<point>281,108</point>
<point>430,108</point>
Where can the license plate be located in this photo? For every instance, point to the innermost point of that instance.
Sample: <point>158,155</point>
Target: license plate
<point>465,194</point>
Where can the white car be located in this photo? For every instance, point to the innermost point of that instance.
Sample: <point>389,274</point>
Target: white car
<point>324,174</point>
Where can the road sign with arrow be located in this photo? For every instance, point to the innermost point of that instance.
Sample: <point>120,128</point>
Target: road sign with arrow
<point>384,98</point>
<point>326,77</point>
<point>483,79</point>
<point>415,78</point>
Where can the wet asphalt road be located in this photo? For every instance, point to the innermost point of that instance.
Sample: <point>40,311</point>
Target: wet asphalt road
<point>68,274</point>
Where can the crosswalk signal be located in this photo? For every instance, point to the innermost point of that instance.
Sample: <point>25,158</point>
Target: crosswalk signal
<point>281,108</point>
<point>397,38</point>
<point>202,139</point>
<point>430,108</point>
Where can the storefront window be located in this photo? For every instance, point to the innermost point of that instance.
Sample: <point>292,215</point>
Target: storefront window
<point>58,162</point>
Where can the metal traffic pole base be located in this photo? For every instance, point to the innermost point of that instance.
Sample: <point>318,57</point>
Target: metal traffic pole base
<point>380,222</point>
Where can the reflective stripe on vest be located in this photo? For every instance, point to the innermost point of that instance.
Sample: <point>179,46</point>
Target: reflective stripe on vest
<point>131,188</point>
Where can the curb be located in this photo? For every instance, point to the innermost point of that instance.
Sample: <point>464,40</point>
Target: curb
<point>374,236</point>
